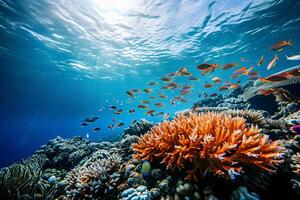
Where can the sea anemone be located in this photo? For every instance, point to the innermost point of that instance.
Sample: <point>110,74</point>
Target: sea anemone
<point>209,142</point>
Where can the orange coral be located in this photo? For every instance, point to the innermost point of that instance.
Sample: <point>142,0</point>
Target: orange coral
<point>210,141</point>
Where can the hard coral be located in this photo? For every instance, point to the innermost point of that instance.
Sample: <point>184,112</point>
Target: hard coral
<point>209,141</point>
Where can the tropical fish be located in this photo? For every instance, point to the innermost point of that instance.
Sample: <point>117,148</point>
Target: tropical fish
<point>261,61</point>
<point>191,78</point>
<point>130,93</point>
<point>114,119</point>
<point>150,112</point>
<point>162,96</point>
<point>83,124</point>
<point>118,111</point>
<point>145,169</point>
<point>152,97</point>
<point>166,116</point>
<point>208,85</point>
<point>148,90</point>
<point>113,107</point>
<point>186,87</point>
<point>159,105</point>
<point>182,71</point>
<point>171,74</point>
<point>264,92</point>
<point>164,87</point>
<point>135,90</point>
<point>91,119</point>
<point>295,129</point>
<point>142,106</point>
<point>165,79</point>
<point>234,86</point>
<point>295,72</point>
<point>131,111</point>
<point>184,92</point>
<point>229,66</point>
<point>177,98</point>
<point>223,87</point>
<point>213,94</point>
<point>275,78</point>
<point>145,101</point>
<point>159,113</point>
<point>280,45</point>
<point>96,129</point>
<point>273,62</point>
<point>172,85</point>
<point>120,124</point>
<point>209,70</point>
<point>133,122</point>
<point>241,71</point>
<point>110,126</point>
<point>252,73</point>
<point>294,57</point>
<point>206,66</point>
<point>152,83</point>
<point>205,95</point>
<point>216,79</point>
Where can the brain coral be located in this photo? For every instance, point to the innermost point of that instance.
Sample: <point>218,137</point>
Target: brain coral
<point>209,142</point>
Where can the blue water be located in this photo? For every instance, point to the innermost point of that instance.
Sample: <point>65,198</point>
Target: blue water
<point>62,61</point>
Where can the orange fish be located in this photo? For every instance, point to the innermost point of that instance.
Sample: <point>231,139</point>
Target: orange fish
<point>130,93</point>
<point>142,106</point>
<point>184,92</point>
<point>159,105</point>
<point>150,112</point>
<point>162,96</point>
<point>241,71</point>
<point>186,87</point>
<point>252,73</point>
<point>274,78</point>
<point>280,45</point>
<point>118,111</point>
<point>273,62</point>
<point>223,87</point>
<point>229,66</point>
<point>208,85</point>
<point>216,79</point>
<point>145,101</point>
<point>148,90</point>
<point>234,86</point>
<point>264,91</point>
<point>165,79</point>
<point>206,66</point>
<point>152,83</point>
<point>261,61</point>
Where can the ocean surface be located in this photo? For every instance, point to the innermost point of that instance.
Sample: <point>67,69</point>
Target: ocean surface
<point>64,60</point>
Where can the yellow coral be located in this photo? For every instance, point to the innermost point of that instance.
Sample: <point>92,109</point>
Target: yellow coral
<point>210,141</point>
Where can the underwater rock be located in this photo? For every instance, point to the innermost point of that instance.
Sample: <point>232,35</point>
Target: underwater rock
<point>138,128</point>
<point>242,193</point>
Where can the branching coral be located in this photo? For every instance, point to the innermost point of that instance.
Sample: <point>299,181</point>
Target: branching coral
<point>18,180</point>
<point>216,142</point>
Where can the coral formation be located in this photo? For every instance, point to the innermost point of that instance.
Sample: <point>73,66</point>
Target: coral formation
<point>210,141</point>
<point>94,177</point>
<point>19,180</point>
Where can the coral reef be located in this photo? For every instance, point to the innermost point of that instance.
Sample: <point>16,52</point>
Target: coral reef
<point>19,181</point>
<point>210,141</point>
<point>138,128</point>
<point>94,178</point>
